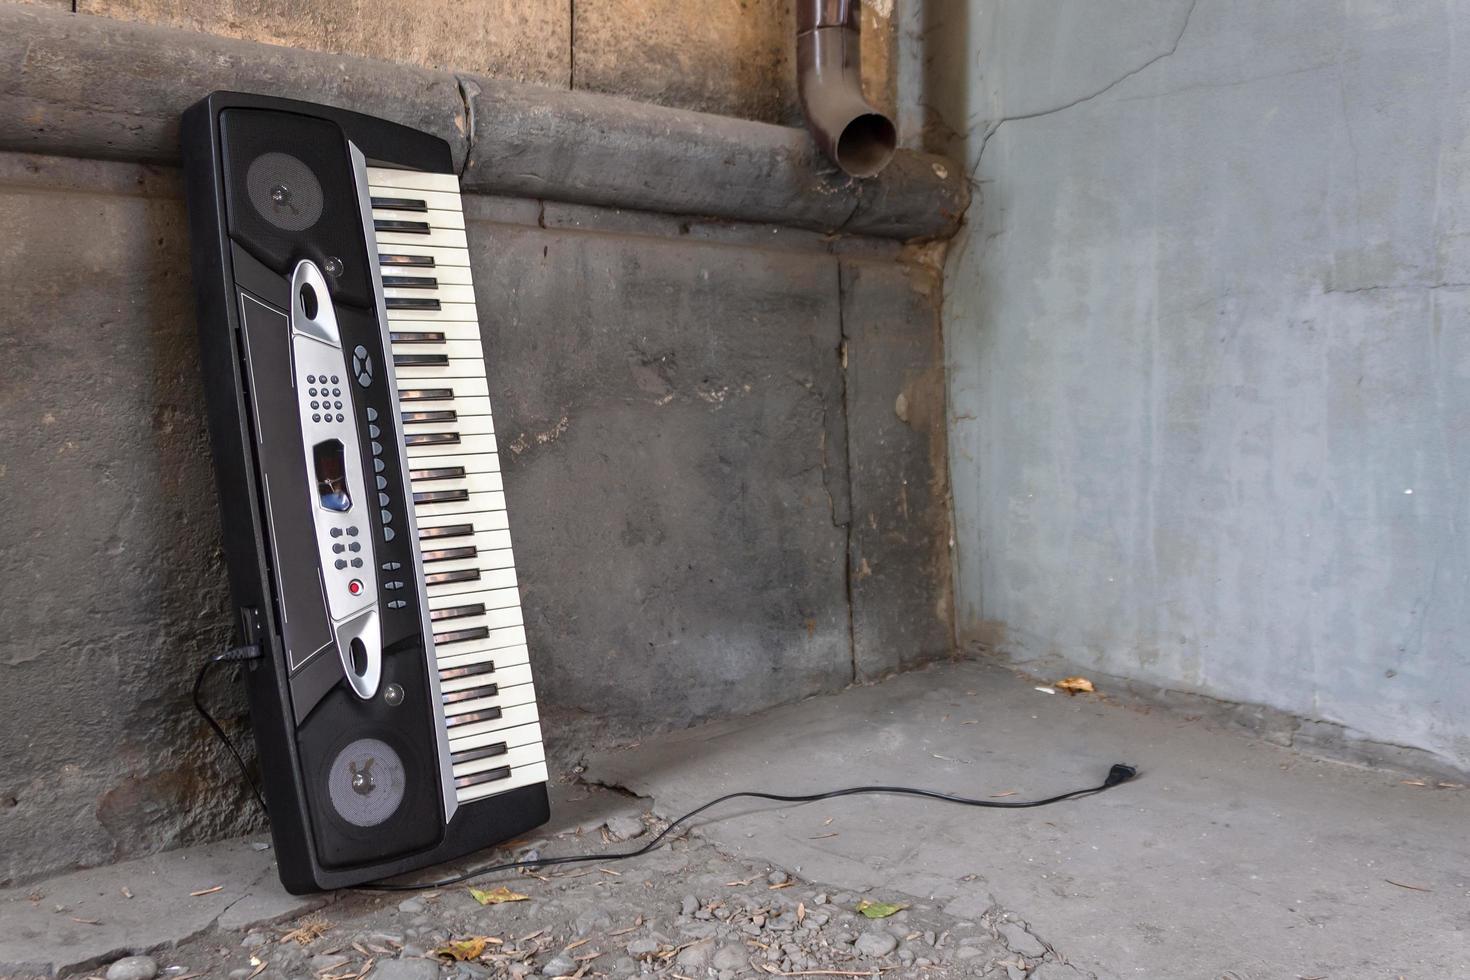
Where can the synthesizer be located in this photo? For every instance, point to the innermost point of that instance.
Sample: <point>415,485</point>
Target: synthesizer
<point>360,491</point>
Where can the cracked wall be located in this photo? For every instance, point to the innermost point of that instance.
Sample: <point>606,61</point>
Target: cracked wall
<point>1209,371</point>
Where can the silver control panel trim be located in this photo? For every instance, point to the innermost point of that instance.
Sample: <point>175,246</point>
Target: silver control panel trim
<point>338,488</point>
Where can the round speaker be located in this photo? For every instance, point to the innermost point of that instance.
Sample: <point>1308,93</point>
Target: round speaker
<point>284,191</point>
<point>366,782</point>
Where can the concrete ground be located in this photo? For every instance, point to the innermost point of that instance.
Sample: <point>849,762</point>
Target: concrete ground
<point>1227,858</point>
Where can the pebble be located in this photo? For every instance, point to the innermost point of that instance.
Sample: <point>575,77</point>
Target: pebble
<point>730,958</point>
<point>133,968</point>
<point>592,920</point>
<point>253,940</point>
<point>241,973</point>
<point>328,961</point>
<point>411,906</point>
<point>778,877</point>
<point>875,944</point>
<point>625,826</point>
<point>559,966</point>
<point>694,957</point>
<point>642,947</point>
<point>689,905</point>
<point>820,898</point>
<point>405,969</point>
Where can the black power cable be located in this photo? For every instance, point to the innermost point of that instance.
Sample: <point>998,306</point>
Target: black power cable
<point>1118,774</point>
<point>233,655</point>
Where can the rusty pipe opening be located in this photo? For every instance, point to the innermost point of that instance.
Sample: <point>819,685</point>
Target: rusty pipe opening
<point>857,137</point>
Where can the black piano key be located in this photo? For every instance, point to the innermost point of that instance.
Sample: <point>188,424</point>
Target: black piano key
<point>441,496</point>
<point>484,714</point>
<point>472,694</point>
<point>458,612</point>
<point>411,303</point>
<point>469,670</point>
<point>420,360</point>
<point>403,227</point>
<point>442,415</point>
<point>432,439</point>
<point>488,776</point>
<point>450,554</point>
<point>474,755</point>
<point>400,204</point>
<point>412,261</point>
<point>446,531</point>
<point>416,337</point>
<point>436,473</point>
<point>411,282</point>
<point>426,395</point>
<point>446,578</point>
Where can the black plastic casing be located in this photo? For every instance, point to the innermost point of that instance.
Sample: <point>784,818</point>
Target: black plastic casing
<point>218,283</point>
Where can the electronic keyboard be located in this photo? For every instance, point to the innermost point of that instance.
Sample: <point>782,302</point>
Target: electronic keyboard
<point>360,490</point>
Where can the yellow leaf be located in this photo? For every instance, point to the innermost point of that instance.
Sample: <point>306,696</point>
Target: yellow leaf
<point>497,895</point>
<point>462,950</point>
<point>1076,685</point>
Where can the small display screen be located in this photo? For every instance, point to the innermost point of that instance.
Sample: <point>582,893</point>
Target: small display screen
<point>331,475</point>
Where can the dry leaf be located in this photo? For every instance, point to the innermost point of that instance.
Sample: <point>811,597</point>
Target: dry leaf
<point>497,896</point>
<point>1076,685</point>
<point>463,950</point>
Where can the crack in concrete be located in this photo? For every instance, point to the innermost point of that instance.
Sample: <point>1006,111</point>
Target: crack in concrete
<point>985,140</point>
<point>847,454</point>
<point>1373,288</point>
<point>468,89</point>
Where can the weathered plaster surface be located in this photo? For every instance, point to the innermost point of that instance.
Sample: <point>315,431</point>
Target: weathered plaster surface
<point>1209,371</point>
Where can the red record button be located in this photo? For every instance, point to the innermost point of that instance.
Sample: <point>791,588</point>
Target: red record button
<point>355,586</point>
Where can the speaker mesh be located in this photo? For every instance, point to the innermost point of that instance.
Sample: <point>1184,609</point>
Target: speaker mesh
<point>284,191</point>
<point>366,782</point>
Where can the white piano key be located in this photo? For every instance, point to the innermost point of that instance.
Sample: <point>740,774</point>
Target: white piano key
<point>469,386</point>
<point>436,218</point>
<point>506,676</point>
<point>458,367</point>
<point>481,500</point>
<point>466,445</point>
<point>523,728</point>
<point>493,724</point>
<point>513,757</point>
<point>451,329</point>
<point>464,407</point>
<point>469,483</point>
<point>523,776</point>
<point>502,655</point>
<point>460,312</point>
<point>498,578</point>
<point>433,200</point>
<point>388,177</point>
<point>513,736</point>
<point>483,521</point>
<point>465,425</point>
<point>504,697</point>
<point>436,238</point>
<point>444,292</point>
<point>486,562</point>
<point>491,599</point>
<point>471,463</point>
<point>465,349</point>
<point>444,257</point>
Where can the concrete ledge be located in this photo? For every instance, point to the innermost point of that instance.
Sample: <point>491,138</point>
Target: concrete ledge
<point>93,87</point>
<point>84,919</point>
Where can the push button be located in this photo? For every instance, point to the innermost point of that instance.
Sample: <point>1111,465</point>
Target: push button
<point>397,604</point>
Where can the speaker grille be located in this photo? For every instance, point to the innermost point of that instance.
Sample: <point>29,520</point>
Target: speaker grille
<point>366,782</point>
<point>284,191</point>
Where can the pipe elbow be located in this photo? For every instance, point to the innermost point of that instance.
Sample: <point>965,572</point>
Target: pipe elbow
<point>854,134</point>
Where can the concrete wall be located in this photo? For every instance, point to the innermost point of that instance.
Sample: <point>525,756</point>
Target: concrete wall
<point>1209,364</point>
<point>733,57</point>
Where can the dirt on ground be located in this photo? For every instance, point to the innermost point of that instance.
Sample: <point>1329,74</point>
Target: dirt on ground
<point>685,910</point>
